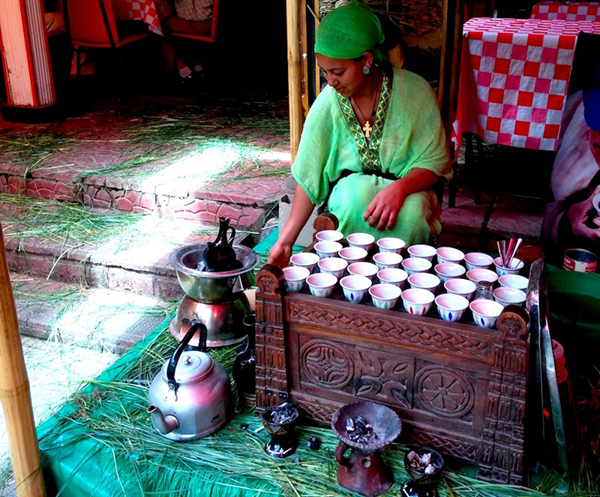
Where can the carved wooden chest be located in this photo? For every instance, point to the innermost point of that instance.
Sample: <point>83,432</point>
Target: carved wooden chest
<point>457,387</point>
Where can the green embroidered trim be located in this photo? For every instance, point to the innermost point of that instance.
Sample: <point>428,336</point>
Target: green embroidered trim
<point>368,150</point>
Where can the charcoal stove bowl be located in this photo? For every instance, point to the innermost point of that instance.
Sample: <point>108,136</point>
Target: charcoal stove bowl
<point>385,422</point>
<point>420,477</point>
<point>211,287</point>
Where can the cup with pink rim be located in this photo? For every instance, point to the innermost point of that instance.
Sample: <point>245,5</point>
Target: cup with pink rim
<point>458,286</point>
<point>363,269</point>
<point>448,270</point>
<point>414,265</point>
<point>361,240</point>
<point>295,277</point>
<point>449,254</point>
<point>477,275</point>
<point>353,254</point>
<point>422,251</point>
<point>384,296</point>
<point>417,301</point>
<point>327,249</point>
<point>515,281</point>
<point>451,307</point>
<point>390,244</point>
<point>321,284</point>
<point>506,296</point>
<point>424,281</point>
<point>392,276</point>
<point>515,266</point>
<point>308,260</point>
<point>355,287</point>
<point>329,236</point>
<point>478,260</point>
<point>485,312</point>
<point>334,266</point>
<point>387,259</point>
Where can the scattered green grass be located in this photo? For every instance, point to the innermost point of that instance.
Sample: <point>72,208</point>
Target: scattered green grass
<point>230,462</point>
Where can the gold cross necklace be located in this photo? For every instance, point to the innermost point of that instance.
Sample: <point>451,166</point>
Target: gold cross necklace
<point>367,128</point>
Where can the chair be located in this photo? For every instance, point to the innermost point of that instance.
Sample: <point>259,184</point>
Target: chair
<point>204,31</point>
<point>92,24</point>
<point>207,31</point>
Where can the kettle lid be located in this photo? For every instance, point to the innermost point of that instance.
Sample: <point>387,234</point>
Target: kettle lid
<point>192,367</point>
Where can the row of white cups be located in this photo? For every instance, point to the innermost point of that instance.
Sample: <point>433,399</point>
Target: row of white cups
<point>407,278</point>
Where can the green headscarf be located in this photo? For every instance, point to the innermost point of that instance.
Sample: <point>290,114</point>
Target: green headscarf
<point>348,32</point>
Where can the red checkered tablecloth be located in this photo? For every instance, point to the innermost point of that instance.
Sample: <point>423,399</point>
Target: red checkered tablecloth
<point>514,79</point>
<point>148,11</point>
<point>573,11</point>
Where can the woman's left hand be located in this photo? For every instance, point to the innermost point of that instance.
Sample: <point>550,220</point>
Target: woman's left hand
<point>384,208</point>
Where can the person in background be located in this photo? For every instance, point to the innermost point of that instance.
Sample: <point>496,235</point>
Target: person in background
<point>191,17</point>
<point>373,144</point>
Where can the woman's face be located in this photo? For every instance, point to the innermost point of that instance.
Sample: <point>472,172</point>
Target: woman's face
<point>344,75</point>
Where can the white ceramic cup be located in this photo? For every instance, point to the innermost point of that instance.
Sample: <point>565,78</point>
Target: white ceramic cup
<point>308,260</point>
<point>387,259</point>
<point>422,251</point>
<point>514,281</point>
<point>392,276</point>
<point>321,284</point>
<point>448,270</point>
<point>450,306</point>
<point>485,312</point>
<point>355,287</point>
<point>353,254</point>
<point>327,249</point>
<point>329,236</point>
<point>417,301</point>
<point>424,281</point>
<point>363,269</point>
<point>477,275</point>
<point>334,266</point>
<point>506,296</point>
<point>458,286</point>
<point>361,240</point>
<point>414,265</point>
<point>449,254</point>
<point>478,260</point>
<point>515,266</point>
<point>390,244</point>
<point>384,296</point>
<point>295,277</point>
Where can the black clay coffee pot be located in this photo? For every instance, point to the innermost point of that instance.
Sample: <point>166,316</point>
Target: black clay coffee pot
<point>219,256</point>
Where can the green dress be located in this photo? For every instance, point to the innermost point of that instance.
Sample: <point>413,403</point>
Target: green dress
<point>407,134</point>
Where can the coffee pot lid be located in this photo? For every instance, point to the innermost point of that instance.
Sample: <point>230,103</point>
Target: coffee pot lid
<point>191,367</point>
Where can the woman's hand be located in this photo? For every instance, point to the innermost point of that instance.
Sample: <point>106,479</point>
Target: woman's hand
<point>578,215</point>
<point>384,208</point>
<point>280,254</point>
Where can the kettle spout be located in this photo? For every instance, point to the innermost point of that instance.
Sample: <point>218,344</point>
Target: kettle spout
<point>164,424</point>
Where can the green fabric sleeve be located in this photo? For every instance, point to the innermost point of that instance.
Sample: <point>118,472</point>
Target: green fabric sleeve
<point>413,135</point>
<point>324,147</point>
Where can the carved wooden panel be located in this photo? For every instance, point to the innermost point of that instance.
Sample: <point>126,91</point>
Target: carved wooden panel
<point>408,331</point>
<point>456,387</point>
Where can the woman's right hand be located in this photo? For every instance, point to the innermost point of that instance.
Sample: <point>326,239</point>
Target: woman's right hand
<point>280,254</point>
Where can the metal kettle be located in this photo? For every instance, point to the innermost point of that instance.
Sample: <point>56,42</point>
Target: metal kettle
<point>190,397</point>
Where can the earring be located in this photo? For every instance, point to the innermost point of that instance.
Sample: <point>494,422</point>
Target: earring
<point>366,70</point>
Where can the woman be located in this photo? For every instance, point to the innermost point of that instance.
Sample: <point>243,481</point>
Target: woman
<point>373,144</point>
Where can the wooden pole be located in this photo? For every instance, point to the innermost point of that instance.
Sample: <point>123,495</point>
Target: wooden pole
<point>14,393</point>
<point>294,74</point>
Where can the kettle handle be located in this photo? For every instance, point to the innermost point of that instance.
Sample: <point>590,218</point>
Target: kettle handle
<point>232,236</point>
<point>195,326</point>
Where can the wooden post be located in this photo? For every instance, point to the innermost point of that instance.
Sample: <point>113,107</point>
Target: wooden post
<point>14,393</point>
<point>294,74</point>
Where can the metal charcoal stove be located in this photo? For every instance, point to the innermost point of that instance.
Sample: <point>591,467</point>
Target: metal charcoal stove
<point>216,299</point>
